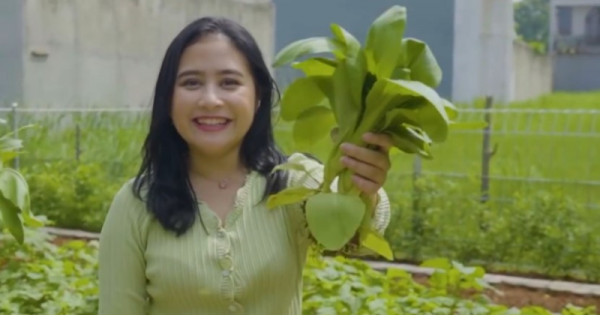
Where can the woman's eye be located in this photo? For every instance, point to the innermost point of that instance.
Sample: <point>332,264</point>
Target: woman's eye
<point>191,83</point>
<point>230,83</point>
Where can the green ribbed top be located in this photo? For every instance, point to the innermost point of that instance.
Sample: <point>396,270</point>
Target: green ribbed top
<point>251,264</point>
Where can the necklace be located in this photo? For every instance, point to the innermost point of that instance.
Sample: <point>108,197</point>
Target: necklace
<point>223,184</point>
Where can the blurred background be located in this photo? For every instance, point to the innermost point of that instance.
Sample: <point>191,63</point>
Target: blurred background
<point>521,197</point>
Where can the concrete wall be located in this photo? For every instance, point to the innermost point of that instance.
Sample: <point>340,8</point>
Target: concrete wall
<point>576,72</point>
<point>484,35</point>
<point>429,20</point>
<point>533,73</point>
<point>11,45</point>
<point>107,53</point>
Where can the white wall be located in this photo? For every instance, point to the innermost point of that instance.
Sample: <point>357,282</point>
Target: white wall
<point>107,53</point>
<point>484,35</point>
<point>532,73</point>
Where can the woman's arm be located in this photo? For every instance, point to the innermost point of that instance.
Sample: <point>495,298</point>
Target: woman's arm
<point>121,257</point>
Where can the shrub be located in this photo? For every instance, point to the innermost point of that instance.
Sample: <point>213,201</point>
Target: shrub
<point>545,232</point>
<point>72,195</point>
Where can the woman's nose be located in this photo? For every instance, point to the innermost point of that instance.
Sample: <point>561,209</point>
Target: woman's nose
<point>210,97</point>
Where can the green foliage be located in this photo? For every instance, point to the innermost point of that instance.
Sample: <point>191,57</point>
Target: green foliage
<point>41,278</point>
<point>540,232</point>
<point>346,286</point>
<point>386,86</point>
<point>72,195</point>
<point>532,23</point>
<point>47,279</point>
<point>15,203</point>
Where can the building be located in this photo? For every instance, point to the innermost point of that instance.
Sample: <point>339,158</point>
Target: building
<point>72,53</point>
<point>575,44</point>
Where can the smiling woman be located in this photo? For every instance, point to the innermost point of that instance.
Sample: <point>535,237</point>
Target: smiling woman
<point>191,233</point>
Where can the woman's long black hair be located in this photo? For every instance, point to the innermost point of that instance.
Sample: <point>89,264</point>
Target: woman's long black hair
<point>163,174</point>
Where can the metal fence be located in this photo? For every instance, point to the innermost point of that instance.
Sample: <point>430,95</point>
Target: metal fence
<point>523,148</point>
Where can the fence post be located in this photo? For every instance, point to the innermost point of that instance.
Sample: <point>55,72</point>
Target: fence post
<point>417,218</point>
<point>15,128</point>
<point>77,142</point>
<point>486,152</point>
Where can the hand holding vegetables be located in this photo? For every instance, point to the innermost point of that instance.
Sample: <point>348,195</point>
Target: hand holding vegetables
<point>369,166</point>
<point>387,88</point>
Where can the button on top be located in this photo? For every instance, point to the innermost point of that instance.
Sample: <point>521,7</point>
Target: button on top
<point>232,308</point>
<point>221,234</point>
<point>226,273</point>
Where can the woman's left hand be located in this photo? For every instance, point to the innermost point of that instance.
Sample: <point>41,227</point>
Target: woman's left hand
<point>370,166</point>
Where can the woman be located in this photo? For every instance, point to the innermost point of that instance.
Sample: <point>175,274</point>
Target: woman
<point>191,233</point>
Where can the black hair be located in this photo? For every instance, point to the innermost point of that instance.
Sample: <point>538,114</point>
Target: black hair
<point>164,168</point>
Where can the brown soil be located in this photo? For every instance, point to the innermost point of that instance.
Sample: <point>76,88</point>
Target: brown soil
<point>521,297</point>
<point>553,301</point>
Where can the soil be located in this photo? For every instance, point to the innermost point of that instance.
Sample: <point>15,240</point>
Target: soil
<point>520,297</point>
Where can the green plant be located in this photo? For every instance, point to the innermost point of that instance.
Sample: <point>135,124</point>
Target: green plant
<point>15,201</point>
<point>43,278</point>
<point>73,195</point>
<point>547,233</point>
<point>59,277</point>
<point>387,86</point>
<point>346,286</point>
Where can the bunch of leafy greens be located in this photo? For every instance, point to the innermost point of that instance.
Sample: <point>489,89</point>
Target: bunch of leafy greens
<point>387,86</point>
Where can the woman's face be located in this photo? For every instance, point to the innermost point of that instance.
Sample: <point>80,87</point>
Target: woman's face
<point>215,97</point>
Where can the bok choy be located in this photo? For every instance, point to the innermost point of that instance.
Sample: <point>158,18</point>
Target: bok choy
<point>386,86</point>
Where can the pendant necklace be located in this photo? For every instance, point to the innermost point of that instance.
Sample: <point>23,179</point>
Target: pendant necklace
<point>223,184</point>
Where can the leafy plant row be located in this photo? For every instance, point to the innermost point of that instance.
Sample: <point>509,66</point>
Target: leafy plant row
<point>541,232</point>
<point>50,279</point>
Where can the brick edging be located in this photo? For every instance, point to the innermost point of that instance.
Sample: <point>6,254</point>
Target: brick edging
<point>586,289</point>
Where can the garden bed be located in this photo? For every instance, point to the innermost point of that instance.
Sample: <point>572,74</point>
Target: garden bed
<point>517,296</point>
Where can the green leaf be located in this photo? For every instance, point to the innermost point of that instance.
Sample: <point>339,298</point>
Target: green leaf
<point>313,125</point>
<point>384,41</point>
<point>374,241</point>
<point>297,49</point>
<point>14,188</point>
<point>289,196</point>
<point>410,140</point>
<point>317,66</point>
<point>301,95</point>
<point>348,44</point>
<point>429,108</point>
<point>348,81</point>
<point>11,220</point>
<point>450,109</point>
<point>333,219</point>
<point>422,64</point>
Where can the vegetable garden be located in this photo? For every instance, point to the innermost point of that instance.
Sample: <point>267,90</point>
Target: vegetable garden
<point>75,160</point>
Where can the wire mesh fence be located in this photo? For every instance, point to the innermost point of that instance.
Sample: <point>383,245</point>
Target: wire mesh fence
<point>543,164</point>
<point>529,148</point>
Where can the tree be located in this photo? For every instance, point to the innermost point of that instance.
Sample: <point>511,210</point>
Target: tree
<point>532,22</point>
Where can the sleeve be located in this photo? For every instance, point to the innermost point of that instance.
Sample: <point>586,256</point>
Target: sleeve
<point>122,281</point>
<point>314,177</point>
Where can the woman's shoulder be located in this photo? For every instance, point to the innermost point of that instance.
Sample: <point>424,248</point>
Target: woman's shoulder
<point>126,203</point>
